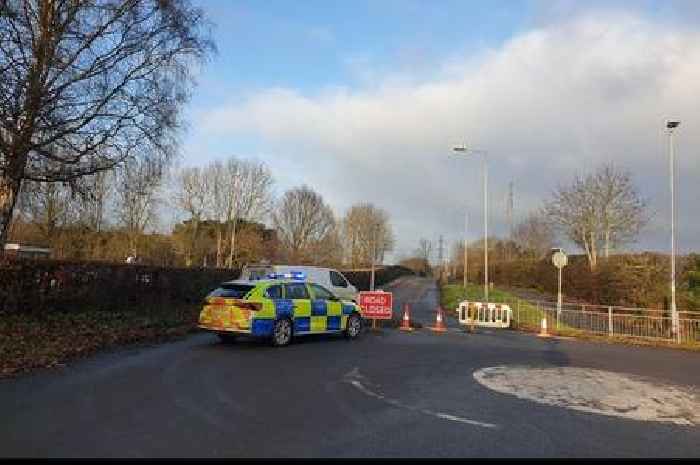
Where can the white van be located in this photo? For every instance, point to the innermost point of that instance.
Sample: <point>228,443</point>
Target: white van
<point>331,279</point>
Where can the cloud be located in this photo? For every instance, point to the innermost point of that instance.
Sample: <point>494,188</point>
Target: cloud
<point>556,100</point>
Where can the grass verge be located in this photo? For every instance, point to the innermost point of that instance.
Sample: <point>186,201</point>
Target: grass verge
<point>527,317</point>
<point>524,313</point>
<point>28,342</point>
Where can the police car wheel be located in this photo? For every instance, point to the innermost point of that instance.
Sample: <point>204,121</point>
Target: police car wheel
<point>354,326</point>
<point>282,333</point>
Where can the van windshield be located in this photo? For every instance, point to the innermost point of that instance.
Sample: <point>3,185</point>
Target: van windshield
<point>231,291</point>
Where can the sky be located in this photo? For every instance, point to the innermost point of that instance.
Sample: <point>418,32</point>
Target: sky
<point>362,100</point>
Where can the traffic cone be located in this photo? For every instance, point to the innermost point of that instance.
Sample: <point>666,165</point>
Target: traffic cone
<point>543,328</point>
<point>439,324</point>
<point>406,321</point>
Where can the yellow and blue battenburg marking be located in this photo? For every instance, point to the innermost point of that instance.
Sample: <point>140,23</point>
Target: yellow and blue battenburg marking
<point>307,315</point>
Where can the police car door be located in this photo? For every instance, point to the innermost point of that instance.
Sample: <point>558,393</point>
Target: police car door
<point>325,308</point>
<point>301,302</point>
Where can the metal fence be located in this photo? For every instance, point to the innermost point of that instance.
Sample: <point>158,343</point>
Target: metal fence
<point>608,320</point>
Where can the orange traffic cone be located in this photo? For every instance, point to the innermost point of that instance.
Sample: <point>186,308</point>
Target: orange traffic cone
<point>439,324</point>
<point>406,321</point>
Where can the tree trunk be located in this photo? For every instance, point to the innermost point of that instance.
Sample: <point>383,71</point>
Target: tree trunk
<point>9,190</point>
<point>193,242</point>
<point>607,243</point>
<point>594,252</point>
<point>218,246</point>
<point>233,244</point>
<point>588,250</point>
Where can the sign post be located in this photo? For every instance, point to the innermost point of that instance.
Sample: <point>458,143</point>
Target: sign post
<point>559,260</point>
<point>376,305</point>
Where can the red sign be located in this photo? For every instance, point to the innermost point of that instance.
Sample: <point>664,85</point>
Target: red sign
<point>376,305</point>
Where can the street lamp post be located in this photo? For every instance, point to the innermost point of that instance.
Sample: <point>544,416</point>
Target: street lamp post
<point>670,126</point>
<point>463,149</point>
<point>374,257</point>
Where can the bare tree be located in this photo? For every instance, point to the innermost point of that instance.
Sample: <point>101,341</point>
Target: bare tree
<point>137,185</point>
<point>424,251</point>
<point>87,85</point>
<point>48,206</point>
<point>217,204</point>
<point>366,230</point>
<point>191,197</point>
<point>247,195</point>
<point>597,211</point>
<point>533,235</point>
<point>93,200</point>
<point>303,222</point>
<point>623,212</point>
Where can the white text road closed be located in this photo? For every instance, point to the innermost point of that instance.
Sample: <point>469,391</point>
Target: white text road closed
<point>376,305</point>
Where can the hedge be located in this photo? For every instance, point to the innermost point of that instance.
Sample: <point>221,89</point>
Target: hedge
<point>635,280</point>
<point>55,285</point>
<point>41,285</point>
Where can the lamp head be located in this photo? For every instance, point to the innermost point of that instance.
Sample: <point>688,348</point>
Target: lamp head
<point>671,124</point>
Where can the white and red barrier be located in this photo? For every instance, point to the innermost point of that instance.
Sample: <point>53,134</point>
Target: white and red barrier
<point>489,315</point>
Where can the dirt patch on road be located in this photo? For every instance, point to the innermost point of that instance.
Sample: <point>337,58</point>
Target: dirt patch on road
<point>597,391</point>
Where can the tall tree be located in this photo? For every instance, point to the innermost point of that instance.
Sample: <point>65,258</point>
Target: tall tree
<point>424,251</point>
<point>191,197</point>
<point>534,236</point>
<point>94,200</point>
<point>136,198</point>
<point>304,224</point>
<point>623,212</point>
<point>217,205</point>
<point>88,84</point>
<point>49,207</point>
<point>599,210</point>
<point>366,232</point>
<point>247,193</point>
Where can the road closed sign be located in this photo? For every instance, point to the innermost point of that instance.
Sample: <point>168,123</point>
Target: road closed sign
<point>376,305</point>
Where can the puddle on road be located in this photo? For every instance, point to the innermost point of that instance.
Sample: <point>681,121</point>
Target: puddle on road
<point>596,391</point>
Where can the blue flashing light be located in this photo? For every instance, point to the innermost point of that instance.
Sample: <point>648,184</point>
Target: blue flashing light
<point>296,275</point>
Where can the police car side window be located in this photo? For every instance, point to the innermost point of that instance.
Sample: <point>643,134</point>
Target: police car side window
<point>296,291</point>
<point>337,280</point>
<point>274,292</point>
<point>322,293</point>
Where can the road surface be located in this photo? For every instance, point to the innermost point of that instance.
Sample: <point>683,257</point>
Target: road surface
<point>388,394</point>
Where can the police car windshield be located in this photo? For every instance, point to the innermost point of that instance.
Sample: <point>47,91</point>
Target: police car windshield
<point>231,291</point>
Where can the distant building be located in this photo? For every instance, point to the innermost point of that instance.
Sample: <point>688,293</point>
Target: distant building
<point>27,251</point>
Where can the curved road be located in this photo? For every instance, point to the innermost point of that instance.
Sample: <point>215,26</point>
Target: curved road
<point>388,394</point>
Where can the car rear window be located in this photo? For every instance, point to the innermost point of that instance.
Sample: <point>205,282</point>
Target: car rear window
<point>231,291</point>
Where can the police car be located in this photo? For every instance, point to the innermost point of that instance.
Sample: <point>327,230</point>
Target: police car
<point>278,308</point>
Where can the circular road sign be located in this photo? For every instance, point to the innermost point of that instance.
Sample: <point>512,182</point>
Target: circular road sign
<point>559,259</point>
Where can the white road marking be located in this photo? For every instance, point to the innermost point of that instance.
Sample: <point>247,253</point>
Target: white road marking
<point>596,391</point>
<point>445,416</point>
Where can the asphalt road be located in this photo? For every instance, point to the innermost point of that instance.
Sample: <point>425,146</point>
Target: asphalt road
<point>388,394</point>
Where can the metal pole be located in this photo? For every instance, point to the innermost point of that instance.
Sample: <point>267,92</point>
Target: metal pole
<point>486,232</point>
<point>674,313</point>
<point>466,262</point>
<point>559,299</point>
<point>374,256</point>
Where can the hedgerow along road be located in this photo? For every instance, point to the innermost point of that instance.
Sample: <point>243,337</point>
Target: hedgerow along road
<point>493,393</point>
